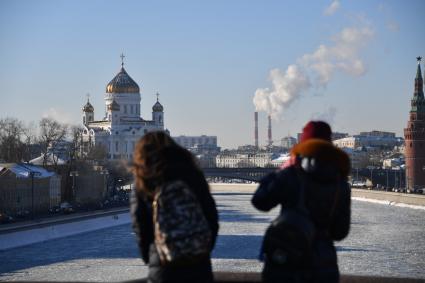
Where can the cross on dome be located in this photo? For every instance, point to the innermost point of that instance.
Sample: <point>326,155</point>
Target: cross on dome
<point>88,107</point>
<point>122,59</point>
<point>157,96</point>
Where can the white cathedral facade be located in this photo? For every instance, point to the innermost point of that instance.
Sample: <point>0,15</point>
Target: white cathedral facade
<point>122,125</point>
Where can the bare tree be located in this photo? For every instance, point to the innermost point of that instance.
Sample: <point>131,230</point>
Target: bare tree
<point>97,152</point>
<point>29,140</point>
<point>76,139</point>
<point>11,145</point>
<point>51,133</point>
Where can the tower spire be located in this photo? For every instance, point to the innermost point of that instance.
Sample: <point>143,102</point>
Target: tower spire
<point>418,71</point>
<point>419,92</point>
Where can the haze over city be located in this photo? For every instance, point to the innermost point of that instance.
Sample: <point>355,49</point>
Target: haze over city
<point>351,63</point>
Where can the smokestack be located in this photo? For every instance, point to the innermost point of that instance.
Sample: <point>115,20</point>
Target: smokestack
<point>270,131</point>
<point>256,129</point>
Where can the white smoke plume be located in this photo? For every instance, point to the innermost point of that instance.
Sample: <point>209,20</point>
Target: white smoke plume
<point>332,8</point>
<point>57,114</point>
<point>286,88</point>
<point>342,55</point>
<point>321,65</point>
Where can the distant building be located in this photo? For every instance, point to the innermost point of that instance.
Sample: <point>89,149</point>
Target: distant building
<point>191,141</point>
<point>379,134</point>
<point>390,163</point>
<point>288,142</point>
<point>203,147</point>
<point>122,126</point>
<point>244,160</point>
<point>367,141</point>
<point>337,135</point>
<point>248,148</point>
<point>348,142</point>
<point>22,185</point>
<point>414,135</point>
<point>358,158</point>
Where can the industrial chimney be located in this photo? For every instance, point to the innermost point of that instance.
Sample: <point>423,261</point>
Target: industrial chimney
<point>256,129</point>
<point>270,131</point>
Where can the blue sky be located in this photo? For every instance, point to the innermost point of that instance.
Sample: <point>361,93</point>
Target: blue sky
<point>209,59</point>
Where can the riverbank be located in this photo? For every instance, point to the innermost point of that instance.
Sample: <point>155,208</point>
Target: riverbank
<point>29,232</point>
<point>40,230</point>
<point>387,198</point>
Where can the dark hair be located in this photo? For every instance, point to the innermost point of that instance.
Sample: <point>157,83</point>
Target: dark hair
<point>159,159</point>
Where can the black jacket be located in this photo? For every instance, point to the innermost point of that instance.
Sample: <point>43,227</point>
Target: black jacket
<point>328,200</point>
<point>141,211</point>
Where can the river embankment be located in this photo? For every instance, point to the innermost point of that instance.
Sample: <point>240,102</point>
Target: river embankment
<point>26,233</point>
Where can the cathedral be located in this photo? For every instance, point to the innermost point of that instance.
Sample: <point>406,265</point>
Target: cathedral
<point>122,125</point>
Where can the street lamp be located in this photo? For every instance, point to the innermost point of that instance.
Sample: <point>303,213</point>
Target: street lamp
<point>387,177</point>
<point>32,194</point>
<point>371,176</point>
<point>73,174</point>
<point>105,174</point>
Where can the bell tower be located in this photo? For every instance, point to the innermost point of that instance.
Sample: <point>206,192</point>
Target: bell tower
<point>414,136</point>
<point>88,112</point>
<point>158,113</point>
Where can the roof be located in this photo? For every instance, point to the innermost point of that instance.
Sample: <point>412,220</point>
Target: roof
<point>24,170</point>
<point>157,107</point>
<point>88,107</point>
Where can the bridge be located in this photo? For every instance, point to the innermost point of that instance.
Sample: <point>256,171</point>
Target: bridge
<point>383,177</point>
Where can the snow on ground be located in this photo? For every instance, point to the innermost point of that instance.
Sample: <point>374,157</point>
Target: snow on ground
<point>387,202</point>
<point>384,240</point>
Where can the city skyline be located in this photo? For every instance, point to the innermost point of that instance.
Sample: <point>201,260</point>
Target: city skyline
<point>350,63</point>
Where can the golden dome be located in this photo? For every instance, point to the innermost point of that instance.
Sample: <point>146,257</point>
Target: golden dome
<point>122,83</point>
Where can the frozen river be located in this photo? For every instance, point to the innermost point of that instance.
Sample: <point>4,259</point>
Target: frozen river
<point>384,240</point>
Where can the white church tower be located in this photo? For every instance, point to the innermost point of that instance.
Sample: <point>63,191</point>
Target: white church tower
<point>122,125</point>
<point>158,113</point>
<point>88,112</point>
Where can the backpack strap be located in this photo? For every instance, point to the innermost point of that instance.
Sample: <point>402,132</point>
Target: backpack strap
<point>336,198</point>
<point>301,197</point>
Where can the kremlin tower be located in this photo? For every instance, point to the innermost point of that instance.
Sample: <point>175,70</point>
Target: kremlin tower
<point>414,135</point>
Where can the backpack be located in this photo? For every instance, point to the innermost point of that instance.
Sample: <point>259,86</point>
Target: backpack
<point>182,234</point>
<point>289,238</point>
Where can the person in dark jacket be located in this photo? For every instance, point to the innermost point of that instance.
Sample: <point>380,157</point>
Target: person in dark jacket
<point>321,169</point>
<point>159,160</point>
